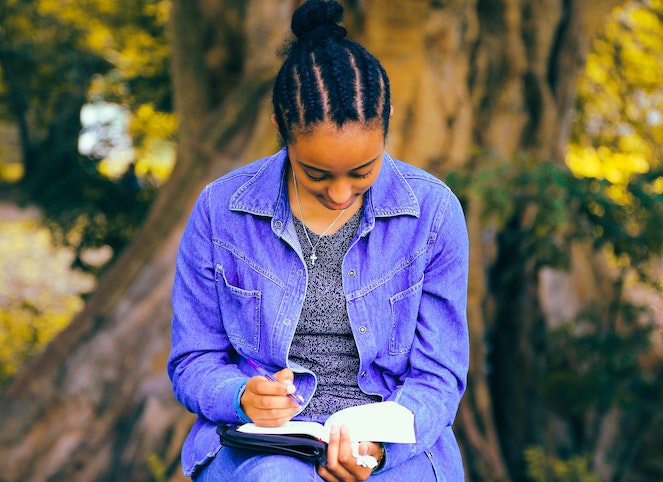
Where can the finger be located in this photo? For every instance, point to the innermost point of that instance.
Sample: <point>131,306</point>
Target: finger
<point>263,411</point>
<point>264,418</point>
<point>332,448</point>
<point>262,386</point>
<point>285,375</point>
<point>370,448</point>
<point>374,450</point>
<point>326,475</point>
<point>345,449</point>
<point>266,410</point>
<point>348,459</point>
<point>338,449</point>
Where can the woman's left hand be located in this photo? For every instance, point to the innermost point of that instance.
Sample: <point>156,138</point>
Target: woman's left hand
<point>341,464</point>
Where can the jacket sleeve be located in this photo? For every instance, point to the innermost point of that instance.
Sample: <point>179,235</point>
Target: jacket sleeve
<point>201,365</point>
<point>436,379</point>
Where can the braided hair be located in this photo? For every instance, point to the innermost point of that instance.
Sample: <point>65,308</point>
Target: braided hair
<point>326,77</point>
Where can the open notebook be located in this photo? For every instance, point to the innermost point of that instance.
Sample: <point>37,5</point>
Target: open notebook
<point>373,422</point>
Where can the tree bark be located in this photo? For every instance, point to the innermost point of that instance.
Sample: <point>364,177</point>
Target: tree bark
<point>467,76</point>
<point>97,404</point>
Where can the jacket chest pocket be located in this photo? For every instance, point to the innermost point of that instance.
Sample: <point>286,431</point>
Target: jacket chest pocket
<point>240,312</point>
<point>404,313</point>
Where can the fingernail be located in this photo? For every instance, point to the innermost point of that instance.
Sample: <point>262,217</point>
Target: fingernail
<point>291,388</point>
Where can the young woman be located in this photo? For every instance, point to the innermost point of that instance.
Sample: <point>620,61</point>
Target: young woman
<point>338,268</point>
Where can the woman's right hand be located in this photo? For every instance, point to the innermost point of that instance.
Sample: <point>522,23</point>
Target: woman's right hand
<point>266,402</point>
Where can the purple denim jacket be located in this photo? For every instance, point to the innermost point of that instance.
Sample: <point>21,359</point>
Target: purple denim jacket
<point>240,284</point>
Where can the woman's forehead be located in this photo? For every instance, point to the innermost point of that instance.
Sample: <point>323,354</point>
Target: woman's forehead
<point>328,147</point>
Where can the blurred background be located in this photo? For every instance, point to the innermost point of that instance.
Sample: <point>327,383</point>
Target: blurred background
<point>546,118</point>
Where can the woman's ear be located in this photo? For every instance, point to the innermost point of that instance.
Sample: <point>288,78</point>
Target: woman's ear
<point>273,119</point>
<point>391,111</point>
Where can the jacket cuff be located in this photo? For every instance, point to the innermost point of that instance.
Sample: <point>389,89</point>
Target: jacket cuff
<point>238,406</point>
<point>394,455</point>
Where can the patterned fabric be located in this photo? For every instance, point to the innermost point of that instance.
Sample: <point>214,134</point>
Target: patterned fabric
<point>323,341</point>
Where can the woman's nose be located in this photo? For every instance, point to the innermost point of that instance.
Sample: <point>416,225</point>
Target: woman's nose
<point>340,191</point>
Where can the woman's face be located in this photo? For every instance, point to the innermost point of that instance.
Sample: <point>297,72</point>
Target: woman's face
<point>337,166</point>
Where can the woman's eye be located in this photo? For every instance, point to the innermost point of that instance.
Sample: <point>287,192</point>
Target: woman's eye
<point>316,178</point>
<point>357,175</point>
<point>325,176</point>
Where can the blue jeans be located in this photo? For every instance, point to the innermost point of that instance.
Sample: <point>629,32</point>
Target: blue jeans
<point>233,465</point>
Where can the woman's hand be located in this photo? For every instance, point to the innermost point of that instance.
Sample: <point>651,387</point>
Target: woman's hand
<point>266,402</point>
<point>341,464</point>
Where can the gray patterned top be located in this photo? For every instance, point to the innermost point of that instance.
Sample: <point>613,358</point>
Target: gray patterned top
<point>323,339</point>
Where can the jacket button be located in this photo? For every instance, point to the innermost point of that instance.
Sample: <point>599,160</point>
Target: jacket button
<point>287,322</point>
<point>362,329</point>
<point>278,224</point>
<point>351,273</point>
<point>363,374</point>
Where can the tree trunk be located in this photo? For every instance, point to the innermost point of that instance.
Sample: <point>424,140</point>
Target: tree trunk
<point>467,77</point>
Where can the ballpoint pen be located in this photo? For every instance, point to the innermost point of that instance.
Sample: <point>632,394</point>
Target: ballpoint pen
<point>298,399</point>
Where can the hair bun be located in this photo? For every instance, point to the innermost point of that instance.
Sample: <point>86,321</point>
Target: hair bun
<point>318,19</point>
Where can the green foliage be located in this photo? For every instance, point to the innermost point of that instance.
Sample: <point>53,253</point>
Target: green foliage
<point>611,198</point>
<point>24,331</point>
<point>157,467</point>
<point>38,293</point>
<point>57,56</point>
<point>618,128</point>
<point>107,214</point>
<point>543,468</point>
<point>596,363</point>
<point>545,207</point>
<point>616,151</point>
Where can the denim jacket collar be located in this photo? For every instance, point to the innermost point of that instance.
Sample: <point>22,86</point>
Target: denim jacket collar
<point>266,194</point>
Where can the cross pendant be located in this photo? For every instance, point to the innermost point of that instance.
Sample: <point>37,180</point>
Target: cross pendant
<point>313,257</point>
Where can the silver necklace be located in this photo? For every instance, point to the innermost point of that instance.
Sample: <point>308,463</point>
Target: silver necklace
<point>313,257</point>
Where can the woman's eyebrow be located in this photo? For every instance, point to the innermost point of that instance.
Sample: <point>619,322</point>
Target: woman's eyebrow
<point>322,171</point>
